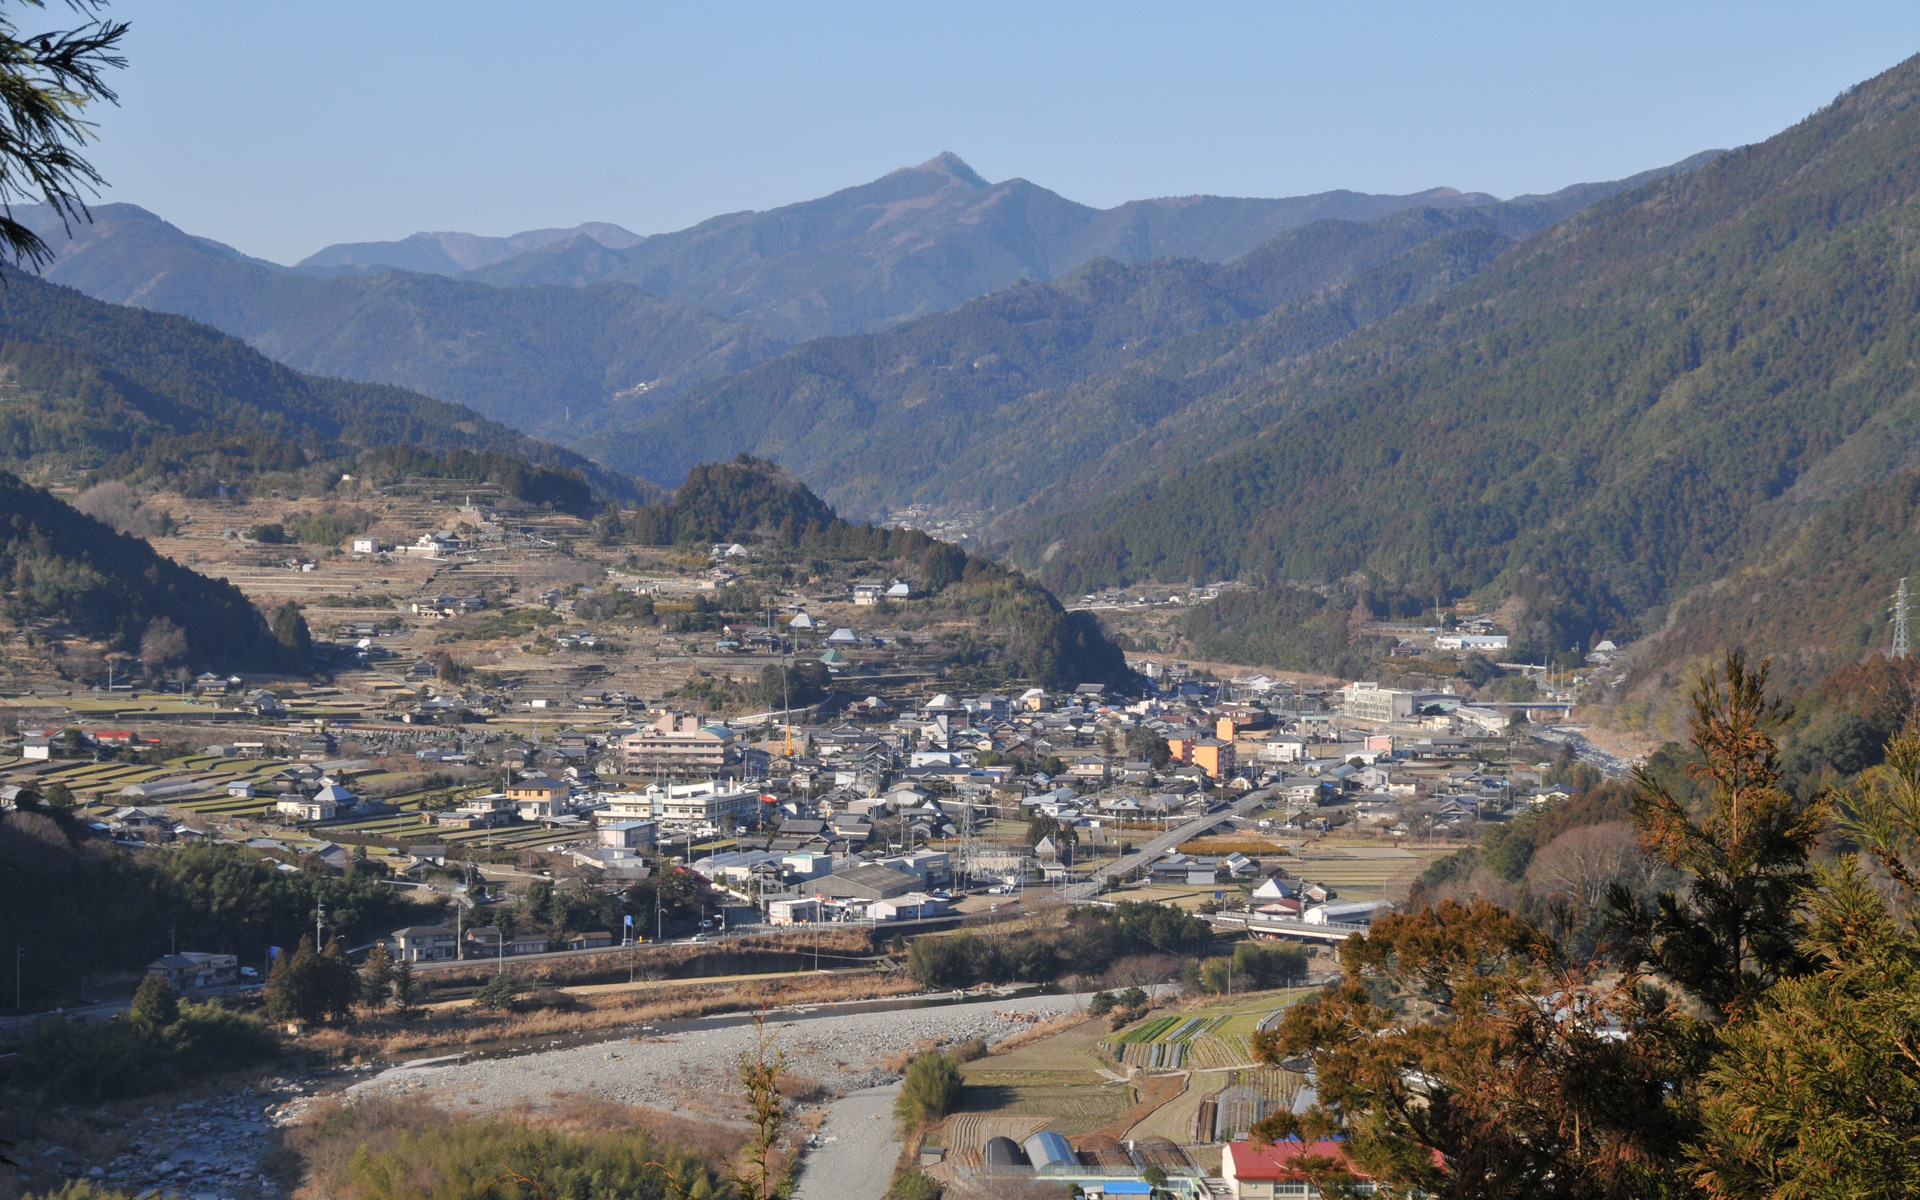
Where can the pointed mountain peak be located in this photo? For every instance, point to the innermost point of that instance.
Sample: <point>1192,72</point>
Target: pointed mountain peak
<point>951,165</point>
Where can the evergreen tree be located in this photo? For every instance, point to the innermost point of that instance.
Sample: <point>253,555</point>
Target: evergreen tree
<point>1818,1094</point>
<point>376,977</point>
<point>406,992</point>
<point>312,987</point>
<point>155,1004</point>
<point>290,630</point>
<point>1733,933</point>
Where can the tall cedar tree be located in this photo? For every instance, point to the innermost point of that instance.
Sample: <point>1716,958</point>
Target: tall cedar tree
<point>311,987</point>
<point>376,977</point>
<point>1818,1093</point>
<point>1733,934</point>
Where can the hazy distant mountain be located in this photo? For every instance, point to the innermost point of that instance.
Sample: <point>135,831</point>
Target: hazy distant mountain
<point>453,253</point>
<point>602,349</point>
<point>989,404</point>
<point>921,240</point>
<point>553,361</point>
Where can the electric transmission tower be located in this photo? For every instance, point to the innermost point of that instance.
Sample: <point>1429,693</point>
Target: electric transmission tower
<point>1901,646</point>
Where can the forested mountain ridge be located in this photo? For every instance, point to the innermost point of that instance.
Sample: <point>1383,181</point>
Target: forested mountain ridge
<point>552,361</point>
<point>1614,412</point>
<point>929,238</point>
<point>986,405</point>
<point>92,381</point>
<point>60,565</point>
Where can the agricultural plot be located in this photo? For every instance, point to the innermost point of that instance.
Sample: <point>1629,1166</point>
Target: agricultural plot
<point>1071,1102</point>
<point>1164,1043</point>
<point>1364,872</point>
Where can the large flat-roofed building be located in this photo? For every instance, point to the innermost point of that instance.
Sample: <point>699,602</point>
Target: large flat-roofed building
<point>707,802</point>
<point>1371,702</point>
<point>864,881</point>
<point>680,745</point>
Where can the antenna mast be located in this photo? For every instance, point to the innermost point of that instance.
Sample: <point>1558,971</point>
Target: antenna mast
<point>1901,646</point>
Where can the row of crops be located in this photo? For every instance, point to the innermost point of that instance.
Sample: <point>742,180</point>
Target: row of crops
<point>1206,1042</point>
<point>1165,1043</point>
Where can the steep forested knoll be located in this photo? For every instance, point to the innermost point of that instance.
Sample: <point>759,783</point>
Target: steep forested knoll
<point>162,393</point>
<point>1014,619</point>
<point>1617,410</point>
<point>552,361</point>
<point>990,403</point>
<point>61,565</point>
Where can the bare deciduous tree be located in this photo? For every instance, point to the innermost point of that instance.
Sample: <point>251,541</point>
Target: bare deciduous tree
<point>1581,863</point>
<point>163,645</point>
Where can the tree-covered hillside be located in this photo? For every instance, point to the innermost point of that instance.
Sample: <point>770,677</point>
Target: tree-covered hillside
<point>94,384</point>
<point>1817,595</point>
<point>554,362</point>
<point>984,405</point>
<point>1615,411</point>
<point>62,567</point>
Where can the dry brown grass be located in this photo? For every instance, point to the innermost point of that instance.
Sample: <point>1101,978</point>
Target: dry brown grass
<point>1041,1032</point>
<point>459,1026</point>
<point>323,1147</point>
<point>657,962</point>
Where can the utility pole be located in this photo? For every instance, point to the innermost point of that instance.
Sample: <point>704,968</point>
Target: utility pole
<point>319,914</point>
<point>1901,648</point>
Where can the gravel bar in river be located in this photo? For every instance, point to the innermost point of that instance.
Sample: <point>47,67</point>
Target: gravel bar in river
<point>696,1071</point>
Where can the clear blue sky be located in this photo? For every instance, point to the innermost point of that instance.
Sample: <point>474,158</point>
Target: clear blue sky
<point>280,128</point>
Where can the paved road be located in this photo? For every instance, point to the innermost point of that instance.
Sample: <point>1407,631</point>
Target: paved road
<point>1147,854</point>
<point>857,1150</point>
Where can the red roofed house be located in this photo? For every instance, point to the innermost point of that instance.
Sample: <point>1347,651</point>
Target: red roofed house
<point>1268,1172</point>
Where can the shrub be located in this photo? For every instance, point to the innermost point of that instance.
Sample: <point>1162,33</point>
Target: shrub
<point>970,1050</point>
<point>930,1090</point>
<point>1123,1017</point>
<point>1101,1004</point>
<point>397,1154</point>
<point>914,1185</point>
<point>140,1052</point>
<point>497,993</point>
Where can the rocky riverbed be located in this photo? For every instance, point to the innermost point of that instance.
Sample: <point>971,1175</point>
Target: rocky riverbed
<point>696,1071</point>
<point>207,1149</point>
<point>216,1147</point>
